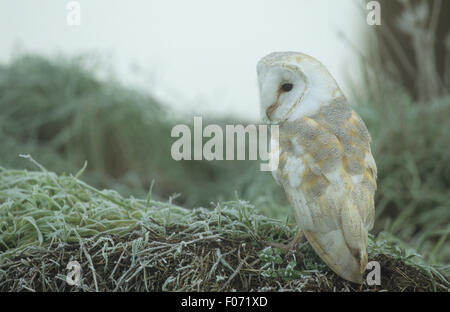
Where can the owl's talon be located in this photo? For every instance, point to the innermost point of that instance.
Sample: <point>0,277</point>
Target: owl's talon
<point>286,248</point>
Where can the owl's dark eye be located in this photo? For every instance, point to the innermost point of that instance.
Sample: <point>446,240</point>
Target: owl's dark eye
<point>286,87</point>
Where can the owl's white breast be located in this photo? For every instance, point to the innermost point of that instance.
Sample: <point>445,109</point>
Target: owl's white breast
<point>289,176</point>
<point>294,170</point>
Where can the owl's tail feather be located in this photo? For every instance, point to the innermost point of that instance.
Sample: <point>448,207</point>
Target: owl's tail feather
<point>332,248</point>
<point>363,257</point>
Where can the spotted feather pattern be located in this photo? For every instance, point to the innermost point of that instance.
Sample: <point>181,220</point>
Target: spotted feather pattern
<point>329,175</point>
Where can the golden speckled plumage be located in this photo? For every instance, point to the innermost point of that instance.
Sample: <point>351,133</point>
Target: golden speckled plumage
<point>335,145</point>
<point>329,175</point>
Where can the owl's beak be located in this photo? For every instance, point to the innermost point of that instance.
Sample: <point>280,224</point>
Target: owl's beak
<point>270,110</point>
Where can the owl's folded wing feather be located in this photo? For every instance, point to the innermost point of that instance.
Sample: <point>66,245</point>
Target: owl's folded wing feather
<point>329,178</point>
<point>359,171</point>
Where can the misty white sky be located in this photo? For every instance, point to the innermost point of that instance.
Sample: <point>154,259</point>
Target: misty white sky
<point>199,55</point>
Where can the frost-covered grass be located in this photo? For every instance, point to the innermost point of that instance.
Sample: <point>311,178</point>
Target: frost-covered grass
<point>60,112</point>
<point>132,244</point>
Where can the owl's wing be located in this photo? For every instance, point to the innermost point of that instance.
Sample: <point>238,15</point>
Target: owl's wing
<point>333,197</point>
<point>358,163</point>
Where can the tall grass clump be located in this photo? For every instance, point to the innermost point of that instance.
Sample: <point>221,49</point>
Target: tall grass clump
<point>61,107</point>
<point>61,112</point>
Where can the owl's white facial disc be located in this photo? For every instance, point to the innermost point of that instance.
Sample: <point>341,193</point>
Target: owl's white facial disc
<point>293,85</point>
<point>281,88</point>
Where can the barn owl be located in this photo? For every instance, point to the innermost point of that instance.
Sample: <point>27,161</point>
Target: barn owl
<point>325,163</point>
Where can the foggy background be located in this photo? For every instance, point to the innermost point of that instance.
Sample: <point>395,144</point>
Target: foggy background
<point>198,56</point>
